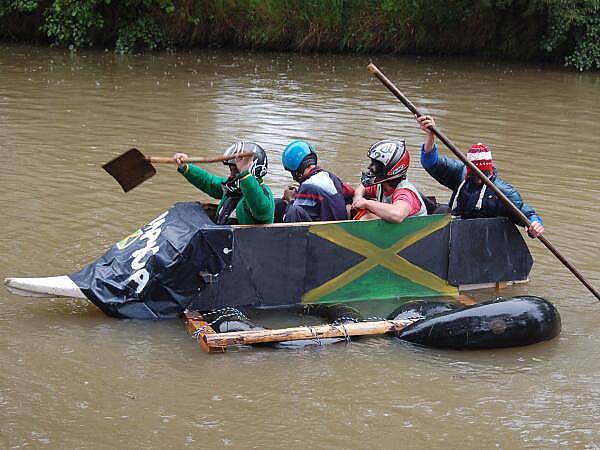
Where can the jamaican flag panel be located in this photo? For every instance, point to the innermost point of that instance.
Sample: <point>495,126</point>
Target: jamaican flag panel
<point>378,260</point>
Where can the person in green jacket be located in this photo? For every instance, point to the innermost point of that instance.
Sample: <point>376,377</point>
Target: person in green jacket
<point>245,199</point>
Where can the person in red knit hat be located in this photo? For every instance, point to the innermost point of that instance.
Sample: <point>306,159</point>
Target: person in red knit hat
<point>480,156</point>
<point>470,197</point>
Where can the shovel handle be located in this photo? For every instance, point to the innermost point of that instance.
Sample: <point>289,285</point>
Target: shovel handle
<point>208,159</point>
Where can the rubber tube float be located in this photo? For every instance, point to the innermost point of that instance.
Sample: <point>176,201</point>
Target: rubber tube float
<point>497,323</point>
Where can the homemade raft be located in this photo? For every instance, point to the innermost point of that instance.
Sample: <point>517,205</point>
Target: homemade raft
<point>495,324</point>
<point>182,260</point>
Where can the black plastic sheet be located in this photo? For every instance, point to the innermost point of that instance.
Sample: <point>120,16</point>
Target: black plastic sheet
<point>158,270</point>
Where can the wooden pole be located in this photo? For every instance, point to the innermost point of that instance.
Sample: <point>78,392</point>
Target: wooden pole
<point>442,137</point>
<point>205,159</point>
<point>222,340</point>
<point>200,329</point>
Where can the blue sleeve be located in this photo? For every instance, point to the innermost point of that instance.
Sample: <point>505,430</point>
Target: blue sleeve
<point>513,195</point>
<point>429,159</point>
<point>447,171</point>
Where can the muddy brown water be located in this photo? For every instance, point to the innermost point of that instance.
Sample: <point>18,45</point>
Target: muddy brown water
<point>70,377</point>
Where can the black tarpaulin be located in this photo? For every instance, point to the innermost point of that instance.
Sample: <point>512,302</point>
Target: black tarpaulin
<point>155,272</point>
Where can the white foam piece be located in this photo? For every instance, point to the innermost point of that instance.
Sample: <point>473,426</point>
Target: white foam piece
<point>61,286</point>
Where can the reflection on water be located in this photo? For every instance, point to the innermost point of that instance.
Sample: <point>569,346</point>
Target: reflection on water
<point>72,376</point>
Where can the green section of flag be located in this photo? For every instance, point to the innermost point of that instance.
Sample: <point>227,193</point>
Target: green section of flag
<point>384,234</point>
<point>377,284</point>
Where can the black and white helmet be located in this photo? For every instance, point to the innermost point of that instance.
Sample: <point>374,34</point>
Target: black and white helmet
<point>259,163</point>
<point>389,160</point>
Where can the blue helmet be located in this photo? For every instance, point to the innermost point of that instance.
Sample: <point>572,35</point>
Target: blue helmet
<point>295,152</point>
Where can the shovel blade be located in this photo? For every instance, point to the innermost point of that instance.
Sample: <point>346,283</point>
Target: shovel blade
<point>130,169</point>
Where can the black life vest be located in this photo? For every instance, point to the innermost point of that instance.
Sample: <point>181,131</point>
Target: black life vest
<point>471,201</point>
<point>232,195</point>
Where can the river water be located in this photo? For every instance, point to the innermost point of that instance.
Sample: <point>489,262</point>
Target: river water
<point>70,377</point>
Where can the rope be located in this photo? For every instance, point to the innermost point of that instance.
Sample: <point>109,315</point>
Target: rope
<point>342,320</point>
<point>373,319</point>
<point>224,313</point>
<point>226,310</point>
<point>196,334</point>
<point>316,337</point>
<point>345,331</point>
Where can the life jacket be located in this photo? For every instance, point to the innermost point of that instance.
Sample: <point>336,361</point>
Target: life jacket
<point>226,214</point>
<point>471,201</point>
<point>232,194</point>
<point>320,197</point>
<point>404,184</point>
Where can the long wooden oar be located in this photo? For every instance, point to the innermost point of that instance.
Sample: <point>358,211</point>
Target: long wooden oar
<point>133,168</point>
<point>400,96</point>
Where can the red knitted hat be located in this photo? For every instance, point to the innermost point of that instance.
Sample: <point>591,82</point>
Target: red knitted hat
<point>480,155</point>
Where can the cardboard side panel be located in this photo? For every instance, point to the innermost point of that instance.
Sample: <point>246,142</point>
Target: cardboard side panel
<point>268,269</point>
<point>181,259</point>
<point>487,251</point>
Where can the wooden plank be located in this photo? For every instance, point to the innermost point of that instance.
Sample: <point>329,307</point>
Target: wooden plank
<point>200,328</point>
<point>222,340</point>
<point>466,300</point>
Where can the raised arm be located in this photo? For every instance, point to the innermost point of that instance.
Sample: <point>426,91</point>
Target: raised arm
<point>203,180</point>
<point>447,171</point>
<point>425,122</point>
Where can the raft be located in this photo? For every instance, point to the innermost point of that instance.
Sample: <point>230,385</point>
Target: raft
<point>497,323</point>
<point>182,260</point>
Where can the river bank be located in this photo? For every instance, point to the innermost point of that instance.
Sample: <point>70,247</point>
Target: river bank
<point>552,31</point>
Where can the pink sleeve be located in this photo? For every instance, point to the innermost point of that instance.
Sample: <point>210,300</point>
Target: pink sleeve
<point>408,196</point>
<point>371,191</point>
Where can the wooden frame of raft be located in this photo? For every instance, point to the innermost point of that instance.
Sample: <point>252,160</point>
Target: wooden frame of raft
<point>213,342</point>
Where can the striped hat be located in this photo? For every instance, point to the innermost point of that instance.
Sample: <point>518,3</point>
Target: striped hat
<point>480,155</point>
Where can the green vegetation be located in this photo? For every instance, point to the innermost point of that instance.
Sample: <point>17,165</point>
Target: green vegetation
<point>565,31</point>
<point>574,30</point>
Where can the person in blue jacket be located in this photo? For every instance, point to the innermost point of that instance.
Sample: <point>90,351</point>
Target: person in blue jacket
<point>470,197</point>
<point>321,195</point>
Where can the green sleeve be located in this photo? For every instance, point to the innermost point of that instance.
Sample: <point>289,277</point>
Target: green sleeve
<point>258,200</point>
<point>203,180</point>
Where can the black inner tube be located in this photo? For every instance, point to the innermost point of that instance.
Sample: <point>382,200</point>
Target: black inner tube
<point>497,323</point>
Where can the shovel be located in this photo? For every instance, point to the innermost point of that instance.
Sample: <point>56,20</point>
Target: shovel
<point>133,168</point>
